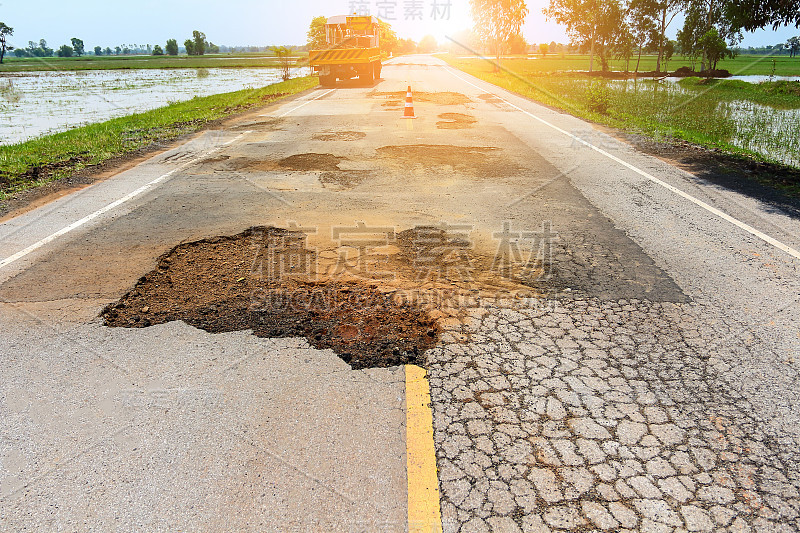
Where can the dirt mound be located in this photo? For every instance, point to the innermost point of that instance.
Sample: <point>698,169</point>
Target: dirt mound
<point>455,121</point>
<point>339,136</point>
<point>442,98</point>
<point>214,285</point>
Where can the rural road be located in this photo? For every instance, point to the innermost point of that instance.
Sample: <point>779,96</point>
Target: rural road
<point>648,381</point>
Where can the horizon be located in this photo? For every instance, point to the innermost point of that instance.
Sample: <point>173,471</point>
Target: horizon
<point>287,25</point>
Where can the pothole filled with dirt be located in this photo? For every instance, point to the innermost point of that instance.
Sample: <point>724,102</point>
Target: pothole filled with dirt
<point>374,302</point>
<point>339,136</point>
<point>455,121</point>
<point>300,162</point>
<point>441,98</point>
<point>481,161</point>
<point>212,285</point>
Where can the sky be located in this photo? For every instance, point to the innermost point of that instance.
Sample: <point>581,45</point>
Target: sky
<point>254,22</point>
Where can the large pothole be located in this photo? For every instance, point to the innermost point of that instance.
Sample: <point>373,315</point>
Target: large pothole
<point>375,304</point>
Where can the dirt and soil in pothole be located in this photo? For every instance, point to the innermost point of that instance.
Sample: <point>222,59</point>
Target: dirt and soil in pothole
<point>455,121</point>
<point>398,98</point>
<point>375,306</point>
<point>481,161</point>
<point>339,136</point>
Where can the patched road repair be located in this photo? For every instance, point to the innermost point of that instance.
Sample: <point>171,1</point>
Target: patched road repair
<point>327,317</point>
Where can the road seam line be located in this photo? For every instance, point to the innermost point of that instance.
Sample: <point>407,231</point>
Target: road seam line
<point>301,105</point>
<point>711,209</point>
<point>88,218</point>
<point>424,513</point>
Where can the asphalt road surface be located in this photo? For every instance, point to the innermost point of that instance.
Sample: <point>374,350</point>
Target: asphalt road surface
<point>648,381</point>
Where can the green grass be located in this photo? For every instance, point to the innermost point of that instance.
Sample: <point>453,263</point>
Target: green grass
<point>741,65</point>
<point>733,116</point>
<point>38,161</point>
<point>26,64</point>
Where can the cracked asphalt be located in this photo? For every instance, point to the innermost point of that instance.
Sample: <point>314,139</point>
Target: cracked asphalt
<point>647,382</point>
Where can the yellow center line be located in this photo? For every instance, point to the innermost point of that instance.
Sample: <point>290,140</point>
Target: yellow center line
<point>424,514</point>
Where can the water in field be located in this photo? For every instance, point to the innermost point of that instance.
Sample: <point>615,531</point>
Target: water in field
<point>37,103</point>
<point>770,131</point>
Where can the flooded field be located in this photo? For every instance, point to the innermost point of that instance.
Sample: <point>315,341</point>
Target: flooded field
<point>770,131</point>
<point>37,103</point>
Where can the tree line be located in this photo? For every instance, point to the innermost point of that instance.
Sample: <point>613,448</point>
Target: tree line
<point>609,29</point>
<point>197,45</point>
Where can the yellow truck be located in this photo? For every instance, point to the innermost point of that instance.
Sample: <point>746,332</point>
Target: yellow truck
<point>353,50</point>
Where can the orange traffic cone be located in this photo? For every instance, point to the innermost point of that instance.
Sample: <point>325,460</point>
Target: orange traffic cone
<point>409,112</point>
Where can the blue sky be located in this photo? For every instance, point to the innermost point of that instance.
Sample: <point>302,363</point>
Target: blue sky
<point>246,22</point>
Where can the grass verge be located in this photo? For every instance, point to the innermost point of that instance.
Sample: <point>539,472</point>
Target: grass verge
<point>756,121</point>
<point>45,159</point>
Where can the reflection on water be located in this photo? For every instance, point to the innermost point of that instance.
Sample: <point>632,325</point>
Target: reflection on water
<point>37,103</point>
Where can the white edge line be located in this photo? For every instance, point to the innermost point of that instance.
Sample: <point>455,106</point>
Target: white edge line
<point>746,227</point>
<point>88,218</point>
<point>301,105</point>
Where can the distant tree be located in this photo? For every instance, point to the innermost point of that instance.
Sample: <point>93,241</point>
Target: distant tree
<point>592,24</point>
<point>5,31</point>
<point>77,46</point>
<point>406,46</point>
<point>189,45</point>
<point>117,50</point>
<point>427,44</point>
<point>388,38</point>
<point>64,51</point>
<point>20,52</point>
<point>316,34</point>
<point>157,50</point>
<point>172,47</point>
<point>283,53</point>
<point>199,42</point>
<point>98,50</point>
<point>497,20</point>
<point>126,51</point>
<point>212,48</point>
<point>661,13</point>
<point>516,44</point>
<point>108,51</point>
<point>793,46</point>
<point>543,49</point>
<point>714,47</point>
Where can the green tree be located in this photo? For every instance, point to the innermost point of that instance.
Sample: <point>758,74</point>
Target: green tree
<point>543,49</point>
<point>108,51</point>
<point>661,13</point>
<point>5,31</point>
<point>64,51</point>
<point>793,45</point>
<point>592,24</point>
<point>316,34</point>
<point>212,48</point>
<point>642,28</point>
<point>77,46</point>
<point>157,50</point>
<point>117,50</point>
<point>714,47</point>
<point>172,47</point>
<point>496,21</point>
<point>199,42</point>
<point>189,45</point>
<point>283,54</point>
<point>517,45</point>
<point>98,50</point>
<point>752,15</point>
<point>427,44</point>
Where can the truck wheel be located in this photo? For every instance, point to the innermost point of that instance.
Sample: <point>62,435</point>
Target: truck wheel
<point>366,75</point>
<point>327,80</point>
<point>377,70</point>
